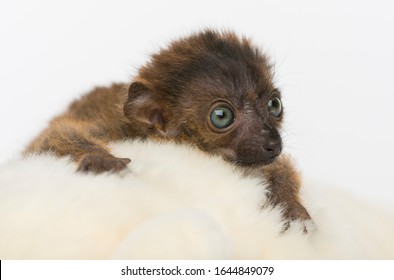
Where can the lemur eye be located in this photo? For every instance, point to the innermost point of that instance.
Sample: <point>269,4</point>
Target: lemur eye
<point>222,117</point>
<point>275,106</point>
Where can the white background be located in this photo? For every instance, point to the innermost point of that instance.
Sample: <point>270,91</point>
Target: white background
<point>334,65</point>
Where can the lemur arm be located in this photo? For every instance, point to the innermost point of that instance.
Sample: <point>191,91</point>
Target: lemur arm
<point>284,184</point>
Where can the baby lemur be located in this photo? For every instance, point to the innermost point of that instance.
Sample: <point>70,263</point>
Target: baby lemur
<point>212,90</point>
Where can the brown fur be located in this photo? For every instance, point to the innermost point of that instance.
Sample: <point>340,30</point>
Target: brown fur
<point>172,99</point>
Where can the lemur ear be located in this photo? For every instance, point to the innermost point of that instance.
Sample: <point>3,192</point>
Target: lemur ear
<point>145,110</point>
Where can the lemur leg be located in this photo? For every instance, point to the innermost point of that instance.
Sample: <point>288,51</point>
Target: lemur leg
<point>69,138</point>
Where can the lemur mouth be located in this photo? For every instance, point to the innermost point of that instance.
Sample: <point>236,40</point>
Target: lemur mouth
<point>254,163</point>
<point>245,161</point>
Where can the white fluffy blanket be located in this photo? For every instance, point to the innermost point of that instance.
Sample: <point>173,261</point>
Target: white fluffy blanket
<point>175,203</point>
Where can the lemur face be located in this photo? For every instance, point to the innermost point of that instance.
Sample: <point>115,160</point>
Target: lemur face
<point>213,90</point>
<point>237,113</point>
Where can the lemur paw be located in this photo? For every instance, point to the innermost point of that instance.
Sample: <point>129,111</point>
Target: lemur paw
<point>98,163</point>
<point>308,226</point>
<point>297,213</point>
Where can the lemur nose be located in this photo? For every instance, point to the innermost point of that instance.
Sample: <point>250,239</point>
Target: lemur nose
<point>273,147</point>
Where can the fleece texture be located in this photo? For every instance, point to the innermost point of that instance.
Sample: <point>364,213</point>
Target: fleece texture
<point>174,202</point>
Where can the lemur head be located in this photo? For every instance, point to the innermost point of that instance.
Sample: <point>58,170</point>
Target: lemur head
<point>213,90</point>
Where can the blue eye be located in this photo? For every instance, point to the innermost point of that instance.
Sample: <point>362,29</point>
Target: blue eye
<point>275,106</point>
<point>222,117</point>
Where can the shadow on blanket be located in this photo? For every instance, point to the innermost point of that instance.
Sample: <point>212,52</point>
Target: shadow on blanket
<point>176,203</point>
